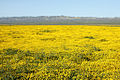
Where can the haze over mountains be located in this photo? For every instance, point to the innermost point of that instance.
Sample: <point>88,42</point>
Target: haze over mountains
<point>59,20</point>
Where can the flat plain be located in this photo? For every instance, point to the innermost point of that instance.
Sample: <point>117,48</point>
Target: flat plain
<point>68,52</point>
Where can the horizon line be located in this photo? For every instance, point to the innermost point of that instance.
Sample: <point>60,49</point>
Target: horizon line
<point>59,16</point>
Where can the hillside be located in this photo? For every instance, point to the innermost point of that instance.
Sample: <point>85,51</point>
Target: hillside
<point>56,20</point>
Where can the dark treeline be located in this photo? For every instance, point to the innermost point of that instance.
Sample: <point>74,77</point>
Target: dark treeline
<point>59,20</point>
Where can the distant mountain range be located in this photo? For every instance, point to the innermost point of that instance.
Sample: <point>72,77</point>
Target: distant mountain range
<point>59,20</point>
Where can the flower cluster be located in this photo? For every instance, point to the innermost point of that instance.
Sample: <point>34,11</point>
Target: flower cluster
<point>59,52</point>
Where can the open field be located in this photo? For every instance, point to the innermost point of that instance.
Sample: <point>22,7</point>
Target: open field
<point>59,52</point>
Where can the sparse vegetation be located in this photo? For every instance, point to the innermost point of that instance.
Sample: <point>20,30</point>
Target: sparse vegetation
<point>60,20</point>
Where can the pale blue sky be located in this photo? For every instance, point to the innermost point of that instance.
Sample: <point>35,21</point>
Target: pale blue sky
<point>81,8</point>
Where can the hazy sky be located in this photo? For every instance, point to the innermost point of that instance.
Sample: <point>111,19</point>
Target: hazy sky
<point>81,8</point>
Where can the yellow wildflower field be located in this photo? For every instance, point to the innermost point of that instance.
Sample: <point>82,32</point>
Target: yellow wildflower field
<point>60,52</point>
